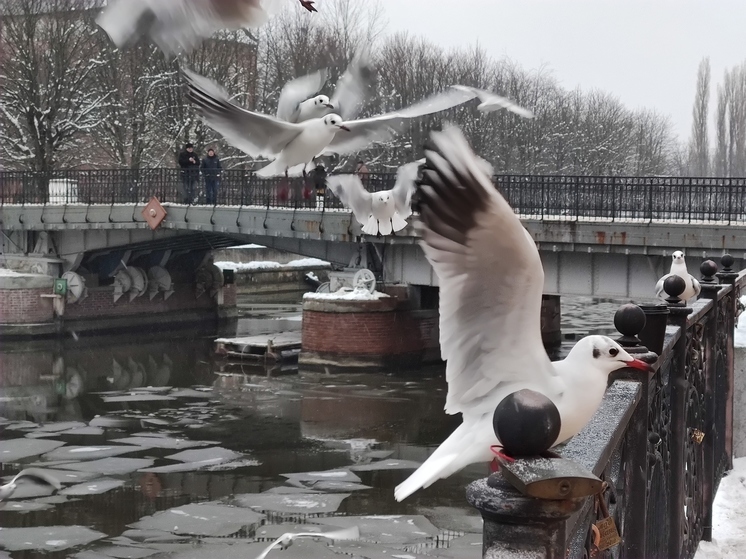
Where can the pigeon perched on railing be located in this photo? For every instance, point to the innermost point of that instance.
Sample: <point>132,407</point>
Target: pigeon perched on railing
<point>678,268</point>
<point>491,283</point>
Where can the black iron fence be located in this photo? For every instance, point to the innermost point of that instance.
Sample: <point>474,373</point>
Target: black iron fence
<point>662,443</point>
<point>570,198</point>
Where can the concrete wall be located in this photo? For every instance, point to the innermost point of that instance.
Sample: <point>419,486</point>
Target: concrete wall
<point>739,403</point>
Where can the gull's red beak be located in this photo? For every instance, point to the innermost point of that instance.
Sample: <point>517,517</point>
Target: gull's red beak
<point>343,127</point>
<point>639,365</point>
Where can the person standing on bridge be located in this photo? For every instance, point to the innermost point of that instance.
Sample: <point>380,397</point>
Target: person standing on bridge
<point>189,163</point>
<point>211,170</point>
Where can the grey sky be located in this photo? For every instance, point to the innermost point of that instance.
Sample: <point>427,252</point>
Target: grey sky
<point>646,52</point>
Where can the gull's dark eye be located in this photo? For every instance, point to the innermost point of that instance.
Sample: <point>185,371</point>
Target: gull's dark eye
<point>613,352</point>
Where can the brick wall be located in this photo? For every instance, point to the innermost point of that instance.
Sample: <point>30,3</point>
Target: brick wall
<point>100,303</point>
<point>25,306</point>
<point>394,332</point>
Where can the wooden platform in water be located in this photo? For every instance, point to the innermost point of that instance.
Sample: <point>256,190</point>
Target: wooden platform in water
<point>279,346</point>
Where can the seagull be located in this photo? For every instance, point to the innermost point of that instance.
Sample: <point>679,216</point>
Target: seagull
<point>286,540</point>
<point>294,145</point>
<point>491,282</point>
<point>7,490</point>
<point>299,100</point>
<point>380,213</point>
<point>180,25</point>
<point>678,268</point>
<point>491,102</point>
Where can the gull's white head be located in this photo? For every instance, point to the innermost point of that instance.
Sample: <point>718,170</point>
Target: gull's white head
<point>322,102</point>
<point>335,121</point>
<point>602,354</point>
<point>678,257</point>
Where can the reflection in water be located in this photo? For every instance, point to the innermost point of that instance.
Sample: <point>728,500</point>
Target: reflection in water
<point>282,422</point>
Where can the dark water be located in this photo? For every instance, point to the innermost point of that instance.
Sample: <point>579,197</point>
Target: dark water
<point>280,422</point>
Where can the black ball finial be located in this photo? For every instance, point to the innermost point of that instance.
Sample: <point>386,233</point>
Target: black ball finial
<point>629,319</point>
<point>727,261</point>
<point>527,423</point>
<point>708,269</point>
<point>674,286</point>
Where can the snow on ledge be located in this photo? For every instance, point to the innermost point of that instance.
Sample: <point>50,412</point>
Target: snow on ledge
<point>269,265</point>
<point>346,295</point>
<point>6,273</point>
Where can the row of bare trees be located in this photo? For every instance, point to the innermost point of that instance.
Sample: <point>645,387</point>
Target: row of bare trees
<point>67,98</point>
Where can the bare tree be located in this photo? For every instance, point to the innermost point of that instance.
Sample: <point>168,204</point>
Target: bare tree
<point>699,145</point>
<point>47,103</point>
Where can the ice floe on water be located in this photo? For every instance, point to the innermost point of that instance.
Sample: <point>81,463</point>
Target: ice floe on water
<point>47,538</point>
<point>300,503</point>
<point>110,466</point>
<point>204,519</point>
<point>13,450</point>
<point>171,443</point>
<point>91,452</point>
<point>97,487</point>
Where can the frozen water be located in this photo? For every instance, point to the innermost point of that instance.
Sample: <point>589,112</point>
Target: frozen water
<point>299,503</point>
<point>63,476</point>
<point>91,452</point>
<point>28,489</point>
<point>386,465</point>
<point>389,530</point>
<point>162,442</point>
<point>84,431</point>
<point>110,466</point>
<point>206,519</point>
<point>224,466</point>
<point>112,421</point>
<point>182,467</point>
<point>13,450</point>
<point>47,538</point>
<point>138,397</point>
<point>56,427</point>
<point>23,506</point>
<point>465,547</point>
<point>96,487</point>
<point>216,452</point>
<point>339,486</point>
<point>373,551</point>
<point>328,475</point>
<point>126,552</point>
<point>284,490</point>
<point>154,536</point>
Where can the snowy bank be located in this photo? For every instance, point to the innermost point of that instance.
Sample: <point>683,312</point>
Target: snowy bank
<point>728,518</point>
<point>250,245</point>
<point>262,266</point>
<point>345,294</point>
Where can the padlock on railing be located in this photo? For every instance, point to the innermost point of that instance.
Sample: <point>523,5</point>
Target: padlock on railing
<point>605,533</point>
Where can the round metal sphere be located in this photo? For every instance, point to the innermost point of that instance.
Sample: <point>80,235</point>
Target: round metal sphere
<point>708,268</point>
<point>629,319</point>
<point>526,423</point>
<point>727,261</point>
<point>674,286</point>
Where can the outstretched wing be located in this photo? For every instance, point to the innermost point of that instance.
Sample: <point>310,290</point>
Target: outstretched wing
<point>298,90</point>
<point>352,194</point>
<point>254,133</point>
<point>491,282</point>
<point>366,131</point>
<point>353,87</point>
<point>402,192</point>
<point>42,475</point>
<point>490,102</point>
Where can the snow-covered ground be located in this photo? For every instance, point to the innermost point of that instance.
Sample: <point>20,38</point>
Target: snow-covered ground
<point>728,517</point>
<point>269,265</point>
<point>356,294</point>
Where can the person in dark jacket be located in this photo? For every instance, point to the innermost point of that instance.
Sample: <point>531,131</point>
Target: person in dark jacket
<point>189,163</point>
<point>318,179</point>
<point>211,169</point>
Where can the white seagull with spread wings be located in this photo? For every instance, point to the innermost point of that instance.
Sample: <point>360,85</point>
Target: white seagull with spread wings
<point>299,100</point>
<point>180,25</point>
<point>491,282</point>
<point>380,213</point>
<point>294,145</point>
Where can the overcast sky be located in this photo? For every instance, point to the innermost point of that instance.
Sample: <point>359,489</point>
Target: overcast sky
<point>646,52</point>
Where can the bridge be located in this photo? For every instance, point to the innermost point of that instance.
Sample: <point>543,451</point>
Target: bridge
<point>600,236</point>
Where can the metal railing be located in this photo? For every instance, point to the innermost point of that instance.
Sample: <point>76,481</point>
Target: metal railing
<point>571,198</point>
<point>662,444</point>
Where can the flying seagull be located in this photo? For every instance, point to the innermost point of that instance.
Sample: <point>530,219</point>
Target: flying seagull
<point>380,213</point>
<point>180,25</point>
<point>490,102</point>
<point>286,540</point>
<point>678,268</point>
<point>7,490</point>
<point>299,99</point>
<point>293,145</point>
<point>491,282</point>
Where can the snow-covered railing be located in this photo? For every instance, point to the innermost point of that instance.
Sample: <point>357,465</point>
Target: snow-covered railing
<point>661,442</point>
<point>566,198</point>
